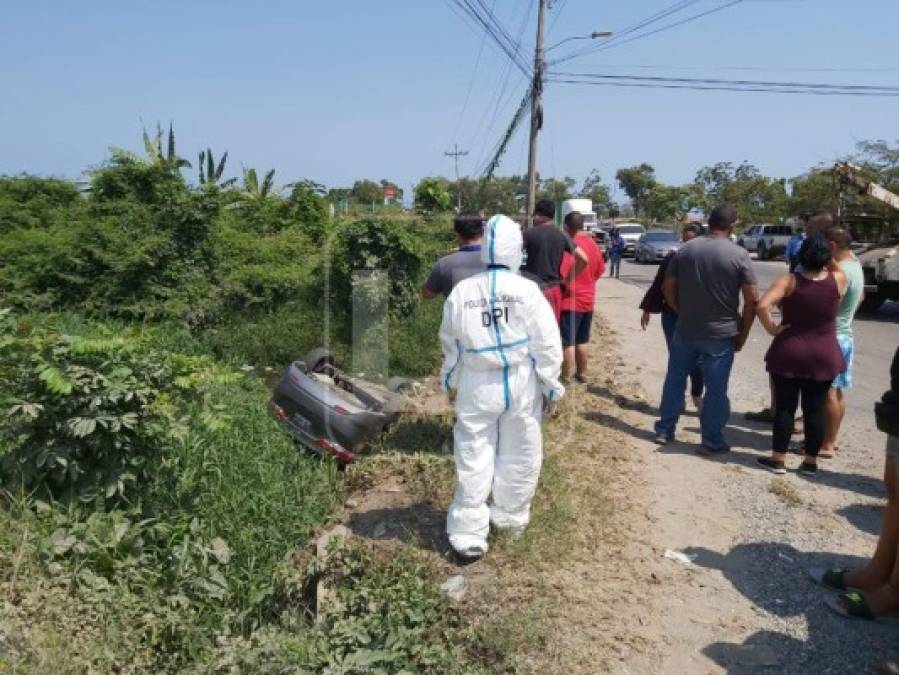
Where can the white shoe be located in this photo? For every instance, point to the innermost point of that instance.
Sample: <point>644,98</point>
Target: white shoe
<point>697,403</point>
<point>470,553</point>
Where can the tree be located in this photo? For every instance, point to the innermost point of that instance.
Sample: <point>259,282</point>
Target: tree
<point>432,195</point>
<point>210,172</point>
<point>755,196</point>
<point>636,181</point>
<point>367,192</point>
<point>253,189</point>
<point>597,192</point>
<point>667,202</point>
<point>555,189</point>
<point>881,159</point>
<point>170,158</point>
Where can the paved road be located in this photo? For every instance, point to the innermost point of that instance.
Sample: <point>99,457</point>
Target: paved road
<point>876,336</point>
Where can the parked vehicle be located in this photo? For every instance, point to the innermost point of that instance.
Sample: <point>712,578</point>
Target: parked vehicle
<point>766,240</point>
<point>631,233</point>
<point>585,208</point>
<point>655,245</point>
<point>329,412</point>
<point>880,261</point>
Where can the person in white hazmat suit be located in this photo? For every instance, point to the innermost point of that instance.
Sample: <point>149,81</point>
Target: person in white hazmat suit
<point>502,355</point>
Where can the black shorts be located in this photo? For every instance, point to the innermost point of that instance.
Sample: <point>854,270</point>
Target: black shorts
<point>575,328</point>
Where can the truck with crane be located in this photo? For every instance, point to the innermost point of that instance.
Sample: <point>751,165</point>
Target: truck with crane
<point>879,260</point>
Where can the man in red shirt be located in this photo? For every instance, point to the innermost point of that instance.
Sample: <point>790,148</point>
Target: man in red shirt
<point>577,299</point>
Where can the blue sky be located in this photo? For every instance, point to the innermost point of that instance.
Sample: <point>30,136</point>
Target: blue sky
<point>348,89</point>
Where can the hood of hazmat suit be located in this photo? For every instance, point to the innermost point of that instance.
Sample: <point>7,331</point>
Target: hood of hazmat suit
<point>502,355</point>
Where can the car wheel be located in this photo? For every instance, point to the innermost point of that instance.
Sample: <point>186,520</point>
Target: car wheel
<point>317,358</point>
<point>762,252</point>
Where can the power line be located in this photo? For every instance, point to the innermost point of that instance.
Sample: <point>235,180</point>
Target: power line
<point>482,16</point>
<point>500,100</point>
<point>689,19</point>
<point>700,85</point>
<point>634,27</point>
<point>456,154</point>
<point>744,83</point>
<point>507,136</point>
<point>474,74</point>
<point>761,69</point>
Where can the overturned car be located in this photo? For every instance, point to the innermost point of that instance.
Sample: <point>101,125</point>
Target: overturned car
<point>330,412</point>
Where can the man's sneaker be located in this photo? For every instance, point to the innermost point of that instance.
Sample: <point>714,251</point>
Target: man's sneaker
<point>697,403</point>
<point>808,469</point>
<point>662,439</point>
<point>763,415</point>
<point>580,379</point>
<point>773,465</point>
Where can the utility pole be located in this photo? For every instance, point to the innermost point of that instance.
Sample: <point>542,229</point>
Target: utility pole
<point>456,154</point>
<point>536,112</point>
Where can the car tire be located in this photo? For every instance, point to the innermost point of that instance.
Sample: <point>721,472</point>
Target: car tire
<point>317,358</point>
<point>762,251</point>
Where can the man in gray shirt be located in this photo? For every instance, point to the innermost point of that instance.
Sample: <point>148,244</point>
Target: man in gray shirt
<point>703,284</point>
<point>462,263</point>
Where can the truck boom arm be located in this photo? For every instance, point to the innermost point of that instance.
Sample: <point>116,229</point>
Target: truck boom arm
<point>847,174</point>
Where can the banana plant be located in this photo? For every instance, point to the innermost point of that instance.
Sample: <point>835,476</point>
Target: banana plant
<point>211,173</point>
<point>170,157</point>
<point>253,188</point>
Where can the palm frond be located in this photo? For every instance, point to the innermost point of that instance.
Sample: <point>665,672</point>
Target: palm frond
<point>201,161</point>
<point>171,150</point>
<point>220,170</point>
<point>250,181</point>
<point>210,166</point>
<point>267,183</point>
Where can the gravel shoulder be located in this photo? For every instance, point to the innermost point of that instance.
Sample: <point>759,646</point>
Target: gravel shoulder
<point>745,603</point>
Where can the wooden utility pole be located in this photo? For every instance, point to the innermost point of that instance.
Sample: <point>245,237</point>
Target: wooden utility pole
<point>536,112</point>
<point>456,154</point>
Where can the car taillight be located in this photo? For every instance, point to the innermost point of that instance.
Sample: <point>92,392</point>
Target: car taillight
<point>340,409</point>
<point>329,446</point>
<point>278,412</point>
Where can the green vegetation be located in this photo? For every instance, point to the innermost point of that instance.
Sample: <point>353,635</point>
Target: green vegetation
<point>151,510</point>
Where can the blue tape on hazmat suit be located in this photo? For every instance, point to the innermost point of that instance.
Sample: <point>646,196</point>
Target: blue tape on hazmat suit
<point>502,355</point>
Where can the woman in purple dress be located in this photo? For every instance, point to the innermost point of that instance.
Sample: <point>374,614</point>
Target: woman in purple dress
<point>804,356</point>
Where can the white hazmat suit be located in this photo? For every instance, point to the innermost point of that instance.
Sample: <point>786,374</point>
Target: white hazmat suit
<point>502,355</point>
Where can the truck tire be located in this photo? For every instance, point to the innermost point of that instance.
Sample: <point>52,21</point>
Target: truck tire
<point>871,303</point>
<point>762,251</point>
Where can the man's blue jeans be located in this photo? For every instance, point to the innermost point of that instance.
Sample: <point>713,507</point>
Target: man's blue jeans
<point>715,357</point>
<point>669,325</point>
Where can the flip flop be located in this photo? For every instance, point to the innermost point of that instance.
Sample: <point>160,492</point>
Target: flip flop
<point>829,455</point>
<point>830,578</point>
<point>854,606</point>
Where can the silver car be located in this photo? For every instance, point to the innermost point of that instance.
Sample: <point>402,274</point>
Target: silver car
<point>655,245</point>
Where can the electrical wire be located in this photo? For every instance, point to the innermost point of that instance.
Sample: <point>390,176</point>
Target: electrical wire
<point>725,85</point>
<point>482,16</point>
<point>743,83</point>
<point>611,45</point>
<point>474,74</point>
<point>639,25</point>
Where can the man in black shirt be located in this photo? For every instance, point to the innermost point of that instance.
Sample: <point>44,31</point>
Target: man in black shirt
<point>544,246</point>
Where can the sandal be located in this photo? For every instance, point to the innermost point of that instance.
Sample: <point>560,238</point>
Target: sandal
<point>833,579</point>
<point>829,455</point>
<point>854,606</point>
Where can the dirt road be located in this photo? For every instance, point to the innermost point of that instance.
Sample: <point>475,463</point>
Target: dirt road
<point>745,603</point>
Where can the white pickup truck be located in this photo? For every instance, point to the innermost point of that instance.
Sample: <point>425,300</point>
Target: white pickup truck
<point>766,240</point>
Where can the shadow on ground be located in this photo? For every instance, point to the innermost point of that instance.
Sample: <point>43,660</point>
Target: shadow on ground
<point>774,577</point>
<point>419,524</point>
<point>866,517</point>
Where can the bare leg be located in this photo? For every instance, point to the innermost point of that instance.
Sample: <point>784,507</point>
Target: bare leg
<point>580,355</point>
<point>834,412</point>
<point>568,360</point>
<point>882,566</point>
